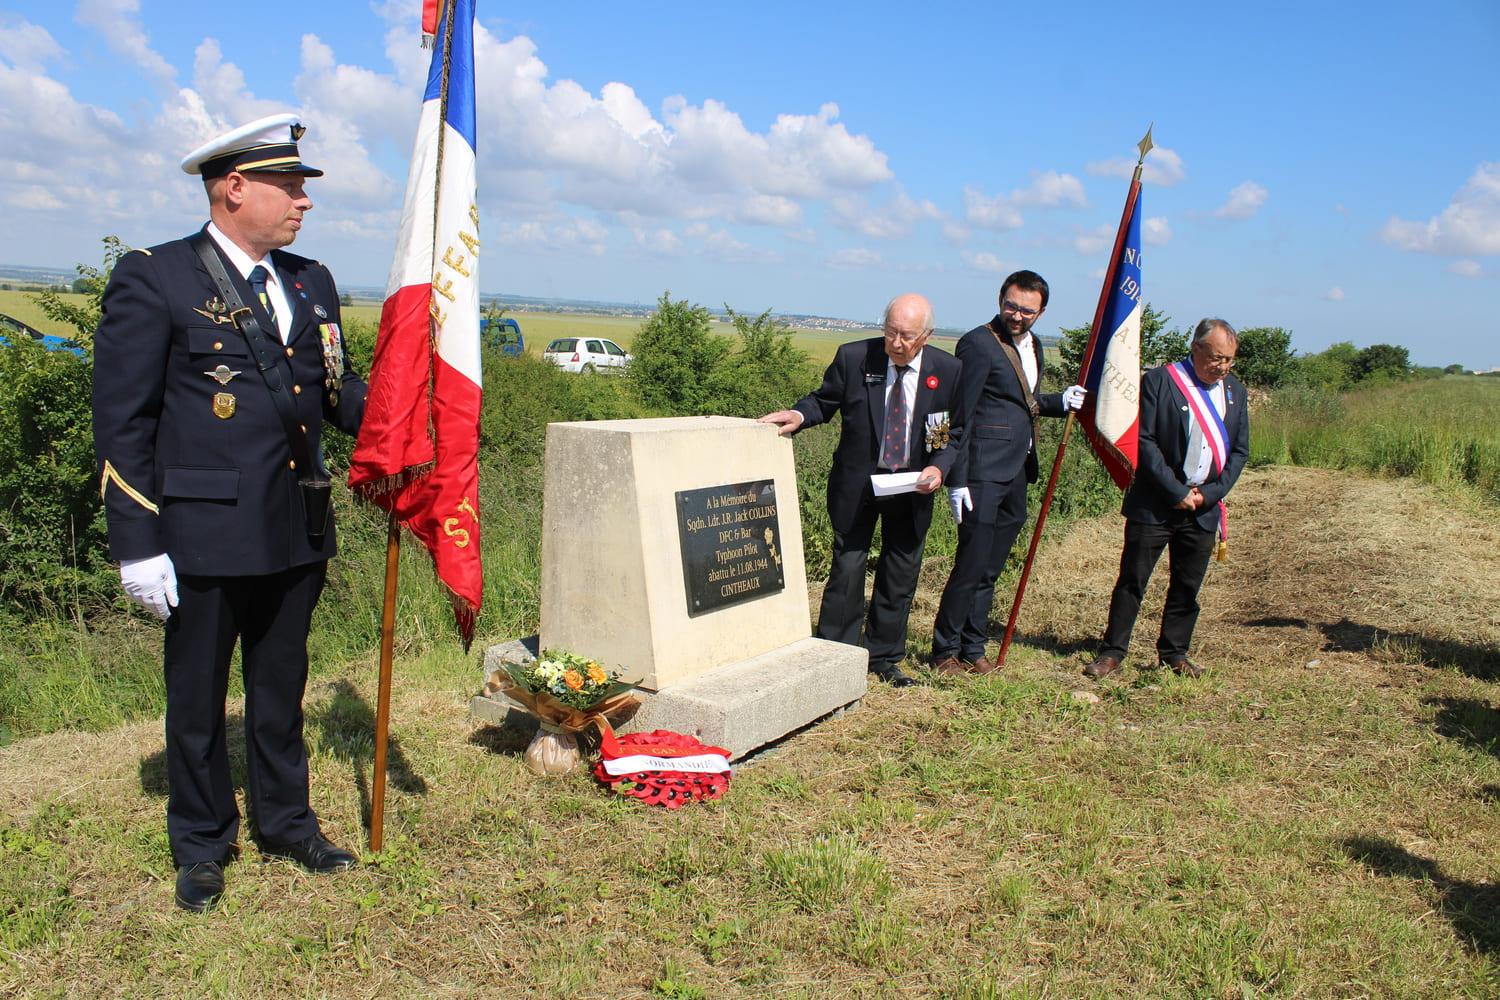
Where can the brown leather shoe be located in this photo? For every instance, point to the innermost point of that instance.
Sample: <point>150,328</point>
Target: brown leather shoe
<point>953,666</point>
<point>1183,667</point>
<point>985,665</point>
<point>1102,667</point>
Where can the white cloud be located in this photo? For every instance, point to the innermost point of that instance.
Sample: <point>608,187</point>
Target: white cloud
<point>1466,268</point>
<point>26,46</point>
<point>955,233</point>
<point>769,210</point>
<point>1094,241</point>
<point>1163,166</point>
<point>1244,201</point>
<point>1334,294</point>
<point>550,150</point>
<point>854,259</point>
<point>1469,225</point>
<point>572,234</point>
<point>1155,231</point>
<point>990,213</point>
<point>1048,189</point>
<point>986,263</point>
<point>894,219</point>
<point>119,22</point>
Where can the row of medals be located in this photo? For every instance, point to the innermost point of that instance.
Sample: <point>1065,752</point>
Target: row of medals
<point>333,360</point>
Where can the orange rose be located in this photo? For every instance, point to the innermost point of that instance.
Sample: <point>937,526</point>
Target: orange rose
<point>573,680</point>
<point>597,674</point>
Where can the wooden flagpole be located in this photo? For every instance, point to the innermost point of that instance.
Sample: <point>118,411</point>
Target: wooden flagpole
<point>1041,516</point>
<point>383,699</point>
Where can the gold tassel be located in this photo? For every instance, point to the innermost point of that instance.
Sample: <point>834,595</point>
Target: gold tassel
<point>1221,551</point>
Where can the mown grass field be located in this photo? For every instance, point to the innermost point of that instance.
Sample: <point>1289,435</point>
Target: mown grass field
<point>1317,817</point>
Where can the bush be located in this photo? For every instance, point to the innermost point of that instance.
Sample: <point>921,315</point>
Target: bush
<point>674,358</point>
<point>1265,358</point>
<point>53,551</point>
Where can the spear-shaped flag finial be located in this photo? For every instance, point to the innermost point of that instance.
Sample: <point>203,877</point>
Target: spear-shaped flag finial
<point>1145,145</point>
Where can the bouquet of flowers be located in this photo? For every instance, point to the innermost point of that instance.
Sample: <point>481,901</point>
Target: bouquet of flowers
<point>567,693</point>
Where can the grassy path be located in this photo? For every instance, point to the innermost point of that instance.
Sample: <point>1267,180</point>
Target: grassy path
<point>1319,816</point>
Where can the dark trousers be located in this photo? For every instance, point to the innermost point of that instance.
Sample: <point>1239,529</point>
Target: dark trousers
<point>984,539</point>
<point>843,606</point>
<point>1191,547</point>
<point>270,616</point>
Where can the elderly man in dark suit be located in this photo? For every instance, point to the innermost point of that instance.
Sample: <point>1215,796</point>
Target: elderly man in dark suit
<point>1194,439</point>
<point>216,510</point>
<point>899,401</point>
<point>1002,369</point>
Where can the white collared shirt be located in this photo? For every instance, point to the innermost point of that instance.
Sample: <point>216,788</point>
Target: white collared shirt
<point>908,391</point>
<point>1198,462</point>
<point>243,264</point>
<point>1027,350</point>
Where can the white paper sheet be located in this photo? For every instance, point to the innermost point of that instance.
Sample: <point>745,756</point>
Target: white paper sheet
<point>887,484</point>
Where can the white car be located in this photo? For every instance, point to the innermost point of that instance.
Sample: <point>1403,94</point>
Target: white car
<point>586,354</point>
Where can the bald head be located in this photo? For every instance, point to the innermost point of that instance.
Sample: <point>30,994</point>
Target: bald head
<point>907,323</point>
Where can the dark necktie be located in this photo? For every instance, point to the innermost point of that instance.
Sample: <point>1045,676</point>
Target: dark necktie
<point>893,453</point>
<point>258,275</point>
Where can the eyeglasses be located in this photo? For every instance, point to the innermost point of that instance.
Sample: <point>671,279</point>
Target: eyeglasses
<point>1227,360</point>
<point>897,337</point>
<point>1009,306</point>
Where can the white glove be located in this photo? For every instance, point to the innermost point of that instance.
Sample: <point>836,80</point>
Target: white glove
<point>151,583</point>
<point>958,500</point>
<point>1072,397</point>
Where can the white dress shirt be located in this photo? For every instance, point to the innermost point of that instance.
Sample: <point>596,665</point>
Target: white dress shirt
<point>243,264</point>
<point>1027,350</point>
<point>1198,463</point>
<point>908,392</point>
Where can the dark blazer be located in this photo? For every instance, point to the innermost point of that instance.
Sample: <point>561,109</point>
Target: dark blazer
<point>1165,421</point>
<point>855,385</point>
<point>216,493</point>
<point>997,422</point>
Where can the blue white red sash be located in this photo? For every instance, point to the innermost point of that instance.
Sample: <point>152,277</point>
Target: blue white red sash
<point>1210,424</point>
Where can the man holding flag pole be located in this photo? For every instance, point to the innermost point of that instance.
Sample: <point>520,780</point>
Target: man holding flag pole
<point>1110,375</point>
<point>417,452</point>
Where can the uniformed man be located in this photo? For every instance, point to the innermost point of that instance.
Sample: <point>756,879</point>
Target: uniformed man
<point>214,519</point>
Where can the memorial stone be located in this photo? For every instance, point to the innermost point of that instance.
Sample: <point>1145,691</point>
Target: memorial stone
<point>672,551</point>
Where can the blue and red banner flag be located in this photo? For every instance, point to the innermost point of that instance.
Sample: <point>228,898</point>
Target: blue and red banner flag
<point>417,452</point>
<point>1112,362</point>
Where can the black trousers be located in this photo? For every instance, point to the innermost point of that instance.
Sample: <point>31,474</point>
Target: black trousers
<point>843,607</point>
<point>1191,547</point>
<point>985,536</point>
<point>270,617</point>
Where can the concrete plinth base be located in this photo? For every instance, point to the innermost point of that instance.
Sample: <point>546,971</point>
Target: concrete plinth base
<point>740,706</point>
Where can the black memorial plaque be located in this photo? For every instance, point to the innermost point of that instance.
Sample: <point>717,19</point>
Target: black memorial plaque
<point>731,544</point>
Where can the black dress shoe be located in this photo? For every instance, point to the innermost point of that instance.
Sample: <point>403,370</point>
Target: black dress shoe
<point>315,854</point>
<point>894,676</point>
<point>200,886</point>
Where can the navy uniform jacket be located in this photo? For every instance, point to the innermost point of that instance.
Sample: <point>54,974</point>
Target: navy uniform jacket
<point>1159,480</point>
<point>997,421</point>
<point>216,494</point>
<point>855,385</point>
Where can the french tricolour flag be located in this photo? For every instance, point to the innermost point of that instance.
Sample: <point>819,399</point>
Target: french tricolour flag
<point>1112,364</point>
<point>417,452</point>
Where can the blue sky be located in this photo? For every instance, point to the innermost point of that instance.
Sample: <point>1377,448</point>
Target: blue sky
<point>1332,169</point>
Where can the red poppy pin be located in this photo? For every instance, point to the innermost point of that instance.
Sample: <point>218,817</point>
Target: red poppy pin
<point>932,382</point>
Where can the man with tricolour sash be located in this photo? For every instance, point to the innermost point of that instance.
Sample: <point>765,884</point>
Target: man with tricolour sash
<point>1194,439</point>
